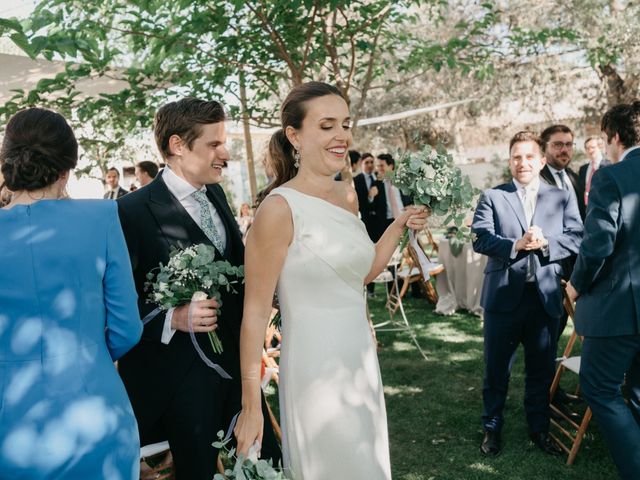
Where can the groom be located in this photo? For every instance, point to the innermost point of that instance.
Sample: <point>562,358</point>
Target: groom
<point>175,395</point>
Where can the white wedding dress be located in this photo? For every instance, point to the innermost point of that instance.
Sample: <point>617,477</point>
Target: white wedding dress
<point>332,408</point>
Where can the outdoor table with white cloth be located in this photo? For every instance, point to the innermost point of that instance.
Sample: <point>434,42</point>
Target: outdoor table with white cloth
<point>460,284</point>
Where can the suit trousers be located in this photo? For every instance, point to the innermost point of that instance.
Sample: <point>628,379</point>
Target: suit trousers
<point>604,363</point>
<point>204,404</point>
<point>532,326</point>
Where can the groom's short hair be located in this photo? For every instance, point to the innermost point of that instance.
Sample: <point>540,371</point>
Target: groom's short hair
<point>185,119</point>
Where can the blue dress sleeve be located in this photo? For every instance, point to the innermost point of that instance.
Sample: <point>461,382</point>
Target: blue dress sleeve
<point>123,328</point>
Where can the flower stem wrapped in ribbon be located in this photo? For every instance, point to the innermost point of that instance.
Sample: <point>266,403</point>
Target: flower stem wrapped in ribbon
<point>192,274</point>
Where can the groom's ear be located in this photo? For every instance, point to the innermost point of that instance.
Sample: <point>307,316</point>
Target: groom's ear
<point>175,145</point>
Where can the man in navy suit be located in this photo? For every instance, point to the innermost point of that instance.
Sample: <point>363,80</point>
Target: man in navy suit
<point>606,283</point>
<point>526,228</point>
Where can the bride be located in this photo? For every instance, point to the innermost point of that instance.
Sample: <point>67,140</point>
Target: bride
<point>307,243</point>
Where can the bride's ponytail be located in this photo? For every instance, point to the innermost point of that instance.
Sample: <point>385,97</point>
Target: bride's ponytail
<point>281,162</point>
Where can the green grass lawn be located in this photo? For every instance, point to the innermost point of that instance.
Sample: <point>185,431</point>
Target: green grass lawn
<point>434,407</point>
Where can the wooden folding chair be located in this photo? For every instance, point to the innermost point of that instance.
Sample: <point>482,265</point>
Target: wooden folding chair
<point>572,437</point>
<point>410,271</point>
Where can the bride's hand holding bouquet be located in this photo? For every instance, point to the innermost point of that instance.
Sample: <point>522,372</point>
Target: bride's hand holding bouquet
<point>413,217</point>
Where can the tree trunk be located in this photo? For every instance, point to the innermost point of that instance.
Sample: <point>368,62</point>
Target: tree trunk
<point>253,187</point>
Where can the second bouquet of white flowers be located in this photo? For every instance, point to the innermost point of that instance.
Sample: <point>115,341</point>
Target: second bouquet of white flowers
<point>432,179</point>
<point>192,274</point>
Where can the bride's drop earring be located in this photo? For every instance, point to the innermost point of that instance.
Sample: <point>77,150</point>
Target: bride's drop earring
<point>296,158</point>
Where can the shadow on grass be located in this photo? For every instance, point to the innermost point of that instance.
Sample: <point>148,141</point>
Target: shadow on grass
<point>434,407</point>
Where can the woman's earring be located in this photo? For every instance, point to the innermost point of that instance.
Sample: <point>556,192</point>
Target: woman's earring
<point>296,158</point>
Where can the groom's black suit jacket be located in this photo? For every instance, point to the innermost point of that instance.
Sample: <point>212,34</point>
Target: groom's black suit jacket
<point>154,221</point>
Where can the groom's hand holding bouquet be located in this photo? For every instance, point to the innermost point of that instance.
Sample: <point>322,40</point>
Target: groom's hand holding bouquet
<point>190,283</point>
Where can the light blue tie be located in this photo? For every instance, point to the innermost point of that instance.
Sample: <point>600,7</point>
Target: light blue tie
<point>206,222</point>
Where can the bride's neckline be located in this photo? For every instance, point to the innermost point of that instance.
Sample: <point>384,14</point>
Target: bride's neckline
<point>348,212</point>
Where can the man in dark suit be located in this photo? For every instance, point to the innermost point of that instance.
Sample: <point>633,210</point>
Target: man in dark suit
<point>593,149</point>
<point>606,283</point>
<point>525,227</point>
<point>175,395</point>
<point>558,146</point>
<point>112,179</point>
<point>392,197</point>
<point>370,203</point>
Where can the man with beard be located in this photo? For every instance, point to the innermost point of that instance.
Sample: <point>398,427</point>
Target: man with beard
<point>558,145</point>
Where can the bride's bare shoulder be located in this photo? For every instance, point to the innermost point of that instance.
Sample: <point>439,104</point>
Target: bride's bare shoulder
<point>273,217</point>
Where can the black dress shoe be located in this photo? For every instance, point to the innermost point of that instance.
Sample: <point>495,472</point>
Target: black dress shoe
<point>490,446</point>
<point>545,443</point>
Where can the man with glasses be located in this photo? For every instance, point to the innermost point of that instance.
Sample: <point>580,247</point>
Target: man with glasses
<point>557,141</point>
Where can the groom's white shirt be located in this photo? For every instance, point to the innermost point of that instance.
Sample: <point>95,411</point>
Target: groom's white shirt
<point>183,190</point>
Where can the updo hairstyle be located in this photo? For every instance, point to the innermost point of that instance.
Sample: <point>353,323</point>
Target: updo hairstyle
<point>38,147</point>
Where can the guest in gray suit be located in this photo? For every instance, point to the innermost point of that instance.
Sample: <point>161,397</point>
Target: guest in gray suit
<point>606,283</point>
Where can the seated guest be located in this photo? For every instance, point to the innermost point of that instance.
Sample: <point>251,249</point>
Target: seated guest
<point>146,171</point>
<point>68,311</point>
<point>593,149</point>
<point>112,180</point>
<point>525,227</point>
<point>606,283</point>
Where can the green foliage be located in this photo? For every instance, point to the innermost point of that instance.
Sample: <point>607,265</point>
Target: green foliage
<point>190,271</point>
<point>243,468</point>
<point>164,49</point>
<point>432,179</point>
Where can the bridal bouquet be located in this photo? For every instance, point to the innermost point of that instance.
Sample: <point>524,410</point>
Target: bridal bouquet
<point>192,274</point>
<point>246,468</point>
<point>433,180</point>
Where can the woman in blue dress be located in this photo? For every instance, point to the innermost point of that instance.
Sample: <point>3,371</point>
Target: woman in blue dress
<point>67,312</point>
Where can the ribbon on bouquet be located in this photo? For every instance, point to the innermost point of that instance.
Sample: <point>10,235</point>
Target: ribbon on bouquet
<point>204,358</point>
<point>150,316</point>
<point>425,264</point>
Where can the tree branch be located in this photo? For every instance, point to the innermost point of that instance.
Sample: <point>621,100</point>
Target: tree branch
<point>307,45</point>
<point>277,40</point>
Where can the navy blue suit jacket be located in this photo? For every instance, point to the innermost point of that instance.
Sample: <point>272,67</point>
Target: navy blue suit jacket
<point>499,221</point>
<point>607,271</point>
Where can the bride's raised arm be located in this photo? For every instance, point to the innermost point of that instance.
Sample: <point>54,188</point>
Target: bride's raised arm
<point>412,217</point>
<point>265,254</point>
